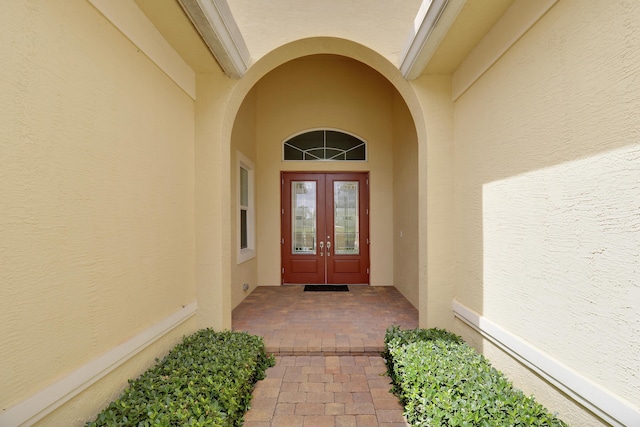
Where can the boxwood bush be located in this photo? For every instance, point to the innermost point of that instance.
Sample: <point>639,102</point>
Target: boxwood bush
<point>206,380</point>
<point>442,381</point>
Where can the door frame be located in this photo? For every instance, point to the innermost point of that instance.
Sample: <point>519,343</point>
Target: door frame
<point>336,269</point>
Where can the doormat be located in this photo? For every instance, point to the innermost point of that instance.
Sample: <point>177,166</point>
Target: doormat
<point>326,288</point>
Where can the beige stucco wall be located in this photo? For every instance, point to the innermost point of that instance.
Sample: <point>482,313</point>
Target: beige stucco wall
<point>243,141</point>
<point>97,195</point>
<point>405,202</point>
<point>547,184</point>
<point>324,92</point>
<point>435,178</point>
<point>85,406</point>
<point>213,129</point>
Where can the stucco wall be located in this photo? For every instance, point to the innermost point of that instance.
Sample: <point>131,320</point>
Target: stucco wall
<point>324,92</point>
<point>243,141</point>
<point>213,129</point>
<point>435,178</point>
<point>96,191</point>
<point>405,202</point>
<point>547,191</point>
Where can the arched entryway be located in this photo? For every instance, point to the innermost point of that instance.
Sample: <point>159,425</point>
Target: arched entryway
<point>320,90</point>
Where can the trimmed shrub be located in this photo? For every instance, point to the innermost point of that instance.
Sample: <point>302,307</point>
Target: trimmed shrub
<point>206,380</point>
<point>442,381</point>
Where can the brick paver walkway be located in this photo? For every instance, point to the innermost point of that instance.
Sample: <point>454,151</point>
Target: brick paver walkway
<point>328,369</point>
<point>323,323</point>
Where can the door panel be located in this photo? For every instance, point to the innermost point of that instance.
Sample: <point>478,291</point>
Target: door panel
<point>302,260</point>
<point>325,228</point>
<point>348,223</point>
<point>305,266</point>
<point>346,266</point>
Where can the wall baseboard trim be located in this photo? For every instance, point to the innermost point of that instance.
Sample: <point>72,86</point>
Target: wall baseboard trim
<point>57,394</point>
<point>609,407</point>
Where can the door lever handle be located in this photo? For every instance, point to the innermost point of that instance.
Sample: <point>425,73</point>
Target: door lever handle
<point>328,248</point>
<point>322,247</point>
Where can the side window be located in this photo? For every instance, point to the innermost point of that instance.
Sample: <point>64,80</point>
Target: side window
<point>246,209</point>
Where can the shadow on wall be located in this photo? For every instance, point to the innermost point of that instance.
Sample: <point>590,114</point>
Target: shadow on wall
<point>547,188</point>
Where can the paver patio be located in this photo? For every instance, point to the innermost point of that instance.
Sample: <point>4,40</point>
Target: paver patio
<point>328,368</point>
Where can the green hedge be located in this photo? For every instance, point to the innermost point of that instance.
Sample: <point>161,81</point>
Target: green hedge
<point>206,380</point>
<point>442,381</point>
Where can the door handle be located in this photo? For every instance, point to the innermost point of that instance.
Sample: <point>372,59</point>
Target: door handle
<point>322,247</point>
<point>328,248</point>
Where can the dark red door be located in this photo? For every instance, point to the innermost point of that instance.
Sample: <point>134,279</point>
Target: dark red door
<point>325,228</point>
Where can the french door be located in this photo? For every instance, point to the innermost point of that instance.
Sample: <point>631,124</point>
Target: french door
<point>325,228</point>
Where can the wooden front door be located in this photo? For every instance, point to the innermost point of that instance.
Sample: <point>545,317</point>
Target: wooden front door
<point>325,228</point>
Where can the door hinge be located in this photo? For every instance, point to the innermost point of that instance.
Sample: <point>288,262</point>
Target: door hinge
<point>367,182</point>
<point>367,211</point>
<point>282,211</point>
<point>282,270</point>
<point>282,241</point>
<point>368,242</point>
<point>367,270</point>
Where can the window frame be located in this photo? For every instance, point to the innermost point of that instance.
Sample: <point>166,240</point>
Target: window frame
<point>245,254</point>
<point>364,143</point>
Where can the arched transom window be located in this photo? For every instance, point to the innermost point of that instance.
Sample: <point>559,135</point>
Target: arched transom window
<point>325,145</point>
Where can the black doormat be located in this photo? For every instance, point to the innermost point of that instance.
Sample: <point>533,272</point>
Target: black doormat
<point>326,288</point>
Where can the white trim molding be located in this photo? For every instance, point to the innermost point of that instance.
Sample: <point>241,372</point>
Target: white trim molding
<point>219,30</point>
<point>432,23</point>
<point>57,394</point>
<point>611,408</point>
<point>127,17</point>
<point>243,162</point>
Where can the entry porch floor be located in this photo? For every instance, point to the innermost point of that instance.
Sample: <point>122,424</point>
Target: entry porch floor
<point>327,345</point>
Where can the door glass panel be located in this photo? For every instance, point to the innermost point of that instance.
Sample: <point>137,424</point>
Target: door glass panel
<point>303,212</point>
<point>346,228</point>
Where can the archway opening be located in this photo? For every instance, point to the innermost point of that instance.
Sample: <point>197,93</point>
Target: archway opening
<point>327,91</point>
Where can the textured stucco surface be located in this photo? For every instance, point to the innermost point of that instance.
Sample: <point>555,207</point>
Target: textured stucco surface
<point>213,190</point>
<point>435,184</point>
<point>243,140</point>
<point>567,238</point>
<point>96,190</point>
<point>547,193</point>
<point>531,384</point>
<point>86,405</point>
<point>405,203</point>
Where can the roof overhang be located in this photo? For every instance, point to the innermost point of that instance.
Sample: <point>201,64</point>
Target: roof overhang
<point>432,23</point>
<point>218,29</point>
